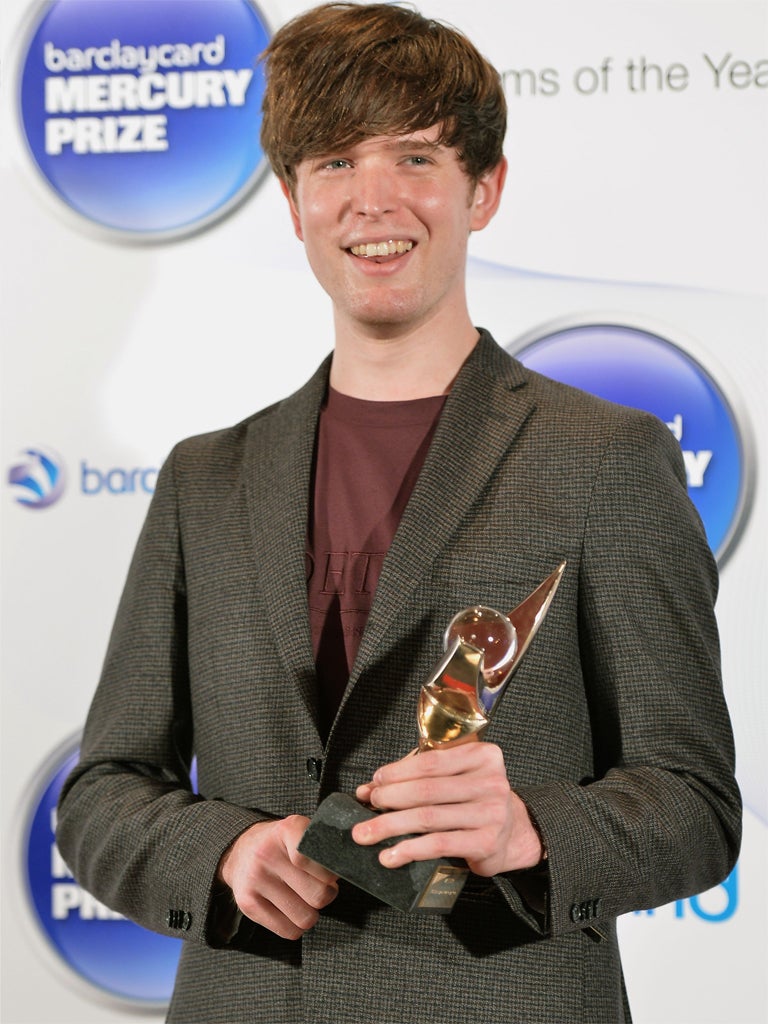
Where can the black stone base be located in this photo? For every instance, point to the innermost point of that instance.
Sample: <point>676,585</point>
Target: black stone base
<point>422,886</point>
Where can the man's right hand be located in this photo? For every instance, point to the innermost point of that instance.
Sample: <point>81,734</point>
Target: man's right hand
<point>272,883</point>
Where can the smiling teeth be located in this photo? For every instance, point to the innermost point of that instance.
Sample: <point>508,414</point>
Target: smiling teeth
<point>381,248</point>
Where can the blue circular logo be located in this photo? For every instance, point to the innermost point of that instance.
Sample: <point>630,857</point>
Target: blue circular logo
<point>118,958</point>
<point>144,117</point>
<point>643,368</point>
<point>38,478</point>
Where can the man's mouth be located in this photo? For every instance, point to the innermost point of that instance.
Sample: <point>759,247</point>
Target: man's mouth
<point>369,250</point>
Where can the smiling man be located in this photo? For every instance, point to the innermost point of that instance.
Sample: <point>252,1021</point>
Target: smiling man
<point>295,574</point>
<point>385,227</point>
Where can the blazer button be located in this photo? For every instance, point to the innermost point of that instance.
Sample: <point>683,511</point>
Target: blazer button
<point>587,910</point>
<point>180,920</point>
<point>314,768</point>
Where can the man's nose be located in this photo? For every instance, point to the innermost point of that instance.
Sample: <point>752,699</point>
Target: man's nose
<point>373,191</point>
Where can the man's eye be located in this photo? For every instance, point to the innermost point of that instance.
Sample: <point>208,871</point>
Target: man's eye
<point>418,161</point>
<point>336,164</point>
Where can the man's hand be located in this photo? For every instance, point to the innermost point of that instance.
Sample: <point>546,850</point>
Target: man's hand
<point>272,883</point>
<point>459,803</point>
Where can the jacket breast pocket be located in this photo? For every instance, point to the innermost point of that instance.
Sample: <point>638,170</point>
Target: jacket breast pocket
<point>498,580</point>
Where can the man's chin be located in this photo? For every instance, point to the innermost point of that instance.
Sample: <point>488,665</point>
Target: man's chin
<point>381,317</point>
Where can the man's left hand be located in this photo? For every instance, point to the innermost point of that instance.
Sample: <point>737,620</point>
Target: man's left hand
<point>456,802</point>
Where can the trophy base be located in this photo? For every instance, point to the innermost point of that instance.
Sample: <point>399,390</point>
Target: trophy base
<point>430,887</point>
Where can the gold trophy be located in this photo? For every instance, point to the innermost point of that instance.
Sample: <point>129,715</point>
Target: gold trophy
<point>483,649</point>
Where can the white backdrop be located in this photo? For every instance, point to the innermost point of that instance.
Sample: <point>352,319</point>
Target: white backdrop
<point>638,165</point>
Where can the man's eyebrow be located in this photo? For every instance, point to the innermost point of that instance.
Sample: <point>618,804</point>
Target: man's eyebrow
<point>411,144</point>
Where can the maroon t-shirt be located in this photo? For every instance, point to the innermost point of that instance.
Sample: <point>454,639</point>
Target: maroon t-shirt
<point>368,457</point>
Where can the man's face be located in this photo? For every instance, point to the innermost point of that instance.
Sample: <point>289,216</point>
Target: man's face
<point>385,224</point>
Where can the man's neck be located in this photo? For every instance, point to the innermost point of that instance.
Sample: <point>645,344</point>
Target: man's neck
<point>416,364</point>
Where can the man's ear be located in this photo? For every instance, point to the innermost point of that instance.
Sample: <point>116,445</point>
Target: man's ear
<point>294,210</point>
<point>487,195</point>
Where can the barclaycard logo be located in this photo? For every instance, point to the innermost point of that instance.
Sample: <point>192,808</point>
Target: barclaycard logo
<point>116,958</point>
<point>143,118</point>
<point>38,479</point>
<point>644,367</point>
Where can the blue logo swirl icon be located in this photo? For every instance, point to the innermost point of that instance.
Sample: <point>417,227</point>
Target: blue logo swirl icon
<point>640,366</point>
<point>38,479</point>
<point>143,118</point>
<point>113,957</point>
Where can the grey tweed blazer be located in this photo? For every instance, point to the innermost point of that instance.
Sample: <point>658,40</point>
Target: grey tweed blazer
<point>614,730</point>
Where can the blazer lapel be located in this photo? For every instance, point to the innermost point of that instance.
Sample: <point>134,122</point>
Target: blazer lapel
<point>278,476</point>
<point>479,422</point>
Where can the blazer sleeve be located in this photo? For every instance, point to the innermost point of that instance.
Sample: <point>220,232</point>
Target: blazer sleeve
<point>130,827</point>
<point>661,819</point>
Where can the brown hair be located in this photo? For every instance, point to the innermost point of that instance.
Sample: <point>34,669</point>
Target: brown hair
<point>343,72</point>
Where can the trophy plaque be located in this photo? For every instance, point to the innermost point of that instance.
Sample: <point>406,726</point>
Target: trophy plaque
<point>483,648</point>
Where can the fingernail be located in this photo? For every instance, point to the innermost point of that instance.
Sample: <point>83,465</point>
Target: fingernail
<point>388,858</point>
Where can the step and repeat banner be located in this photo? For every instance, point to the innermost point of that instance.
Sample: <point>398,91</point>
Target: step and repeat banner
<point>152,288</point>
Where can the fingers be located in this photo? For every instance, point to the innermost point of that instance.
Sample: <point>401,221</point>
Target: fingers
<point>454,802</point>
<point>314,870</point>
<point>285,905</point>
<point>475,830</point>
<point>272,883</point>
<point>445,761</point>
<point>477,847</point>
<point>453,775</point>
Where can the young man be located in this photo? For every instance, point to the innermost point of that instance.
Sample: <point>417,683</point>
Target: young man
<point>295,574</point>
